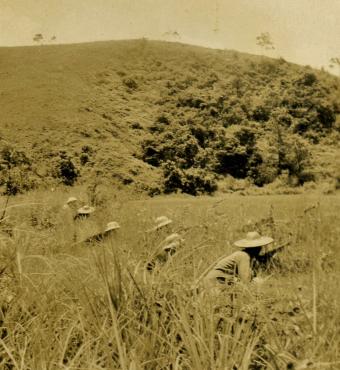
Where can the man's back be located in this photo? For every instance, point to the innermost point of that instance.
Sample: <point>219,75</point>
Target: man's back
<point>226,269</point>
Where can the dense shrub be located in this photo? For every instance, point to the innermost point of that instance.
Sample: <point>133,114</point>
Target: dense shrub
<point>233,116</point>
<point>17,180</point>
<point>326,115</point>
<point>65,170</point>
<point>261,114</point>
<point>130,83</point>
<point>266,173</point>
<point>192,181</point>
<point>307,101</point>
<point>86,154</point>
<point>136,126</point>
<point>308,79</point>
<point>296,159</point>
<point>87,149</point>
<point>84,158</point>
<point>68,171</point>
<point>16,174</point>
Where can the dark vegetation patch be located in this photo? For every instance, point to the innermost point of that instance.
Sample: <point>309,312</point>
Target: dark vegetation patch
<point>256,126</point>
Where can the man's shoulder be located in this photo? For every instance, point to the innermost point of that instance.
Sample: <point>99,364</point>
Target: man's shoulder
<point>236,256</point>
<point>240,255</point>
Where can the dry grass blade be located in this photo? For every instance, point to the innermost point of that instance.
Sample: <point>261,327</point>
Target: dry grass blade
<point>10,355</point>
<point>4,209</point>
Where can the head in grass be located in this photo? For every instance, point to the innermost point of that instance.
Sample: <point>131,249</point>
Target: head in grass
<point>108,233</point>
<point>161,223</point>
<point>161,228</point>
<point>167,248</point>
<point>111,229</point>
<point>253,244</point>
<point>72,203</point>
<point>84,212</point>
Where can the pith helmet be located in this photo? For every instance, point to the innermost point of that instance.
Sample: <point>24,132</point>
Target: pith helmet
<point>71,200</point>
<point>172,238</point>
<point>111,226</point>
<point>85,210</point>
<point>161,221</point>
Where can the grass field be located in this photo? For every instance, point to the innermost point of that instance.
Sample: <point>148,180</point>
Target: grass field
<point>69,306</point>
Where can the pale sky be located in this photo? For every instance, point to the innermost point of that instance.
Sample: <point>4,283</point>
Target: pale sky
<point>303,31</point>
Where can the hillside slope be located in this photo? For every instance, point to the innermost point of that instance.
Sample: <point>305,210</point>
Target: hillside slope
<point>95,103</point>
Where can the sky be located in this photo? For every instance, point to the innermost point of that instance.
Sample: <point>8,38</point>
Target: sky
<point>306,32</point>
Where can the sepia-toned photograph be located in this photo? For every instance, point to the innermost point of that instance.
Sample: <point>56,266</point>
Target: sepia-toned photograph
<point>169,184</point>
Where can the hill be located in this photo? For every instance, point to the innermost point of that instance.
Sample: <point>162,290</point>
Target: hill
<point>157,116</point>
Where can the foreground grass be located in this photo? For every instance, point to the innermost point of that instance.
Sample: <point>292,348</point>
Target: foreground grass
<point>67,306</point>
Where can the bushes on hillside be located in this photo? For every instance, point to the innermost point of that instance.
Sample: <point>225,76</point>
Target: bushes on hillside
<point>192,181</point>
<point>85,155</point>
<point>19,174</point>
<point>210,113</point>
<point>194,153</point>
<point>307,102</point>
<point>284,153</point>
<point>16,175</point>
<point>237,154</point>
<point>217,129</point>
<point>16,181</point>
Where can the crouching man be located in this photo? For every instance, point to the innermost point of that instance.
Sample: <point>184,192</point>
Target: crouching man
<point>242,265</point>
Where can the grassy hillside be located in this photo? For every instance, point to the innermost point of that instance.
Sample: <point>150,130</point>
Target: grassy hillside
<point>94,105</point>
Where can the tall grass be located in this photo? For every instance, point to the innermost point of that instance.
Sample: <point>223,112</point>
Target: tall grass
<point>65,305</point>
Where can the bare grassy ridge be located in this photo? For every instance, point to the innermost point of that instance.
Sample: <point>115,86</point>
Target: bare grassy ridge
<point>66,306</point>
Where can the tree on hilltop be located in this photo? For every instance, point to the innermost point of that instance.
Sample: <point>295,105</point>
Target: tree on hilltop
<point>264,41</point>
<point>335,62</point>
<point>172,35</point>
<point>38,38</point>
